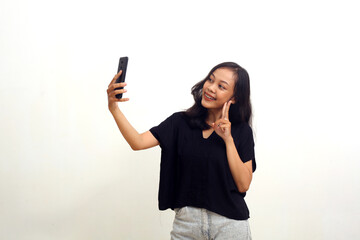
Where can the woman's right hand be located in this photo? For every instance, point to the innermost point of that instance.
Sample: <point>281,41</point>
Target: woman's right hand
<point>112,100</point>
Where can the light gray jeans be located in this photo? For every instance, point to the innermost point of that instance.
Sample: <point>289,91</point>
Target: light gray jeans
<point>198,223</point>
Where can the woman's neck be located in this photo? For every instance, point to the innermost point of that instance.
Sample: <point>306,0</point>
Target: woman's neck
<point>213,115</point>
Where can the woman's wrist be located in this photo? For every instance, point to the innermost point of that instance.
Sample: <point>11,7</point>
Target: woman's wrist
<point>114,109</point>
<point>229,140</point>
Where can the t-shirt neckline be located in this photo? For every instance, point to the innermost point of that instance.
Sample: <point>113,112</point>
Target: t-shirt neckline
<point>202,135</point>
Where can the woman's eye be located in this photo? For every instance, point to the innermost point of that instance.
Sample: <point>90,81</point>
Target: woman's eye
<point>221,86</point>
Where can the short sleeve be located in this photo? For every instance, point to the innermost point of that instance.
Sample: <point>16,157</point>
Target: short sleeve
<point>165,132</point>
<point>246,145</point>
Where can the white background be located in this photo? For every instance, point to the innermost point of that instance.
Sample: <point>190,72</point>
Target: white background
<point>67,173</point>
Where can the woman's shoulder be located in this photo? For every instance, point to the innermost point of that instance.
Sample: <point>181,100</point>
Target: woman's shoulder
<point>242,130</point>
<point>243,125</point>
<point>181,119</point>
<point>176,118</point>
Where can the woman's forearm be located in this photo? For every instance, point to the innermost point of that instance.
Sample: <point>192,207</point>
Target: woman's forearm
<point>240,171</point>
<point>135,140</point>
<point>127,130</point>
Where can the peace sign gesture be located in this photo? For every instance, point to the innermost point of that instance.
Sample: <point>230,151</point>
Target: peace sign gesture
<point>223,126</point>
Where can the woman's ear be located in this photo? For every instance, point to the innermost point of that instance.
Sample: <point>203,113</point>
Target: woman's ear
<point>232,99</point>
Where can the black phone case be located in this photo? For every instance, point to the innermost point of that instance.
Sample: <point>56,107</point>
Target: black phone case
<point>122,66</point>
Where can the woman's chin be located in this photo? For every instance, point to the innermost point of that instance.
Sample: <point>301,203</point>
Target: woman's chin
<point>205,104</point>
<point>208,105</point>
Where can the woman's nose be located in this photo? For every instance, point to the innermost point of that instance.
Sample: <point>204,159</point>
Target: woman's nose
<point>211,88</point>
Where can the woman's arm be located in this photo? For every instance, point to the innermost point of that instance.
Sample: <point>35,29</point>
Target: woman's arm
<point>241,172</point>
<point>135,140</point>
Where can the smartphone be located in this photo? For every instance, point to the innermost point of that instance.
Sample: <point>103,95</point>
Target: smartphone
<point>122,66</point>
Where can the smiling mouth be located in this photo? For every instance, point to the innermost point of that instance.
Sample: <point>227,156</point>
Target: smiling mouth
<point>208,97</point>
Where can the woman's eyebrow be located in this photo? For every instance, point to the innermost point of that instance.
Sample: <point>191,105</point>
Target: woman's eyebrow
<point>223,81</point>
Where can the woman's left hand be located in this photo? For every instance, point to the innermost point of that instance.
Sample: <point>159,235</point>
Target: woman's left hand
<point>223,126</point>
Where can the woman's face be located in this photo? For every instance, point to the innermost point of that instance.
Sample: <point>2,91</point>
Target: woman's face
<point>218,89</point>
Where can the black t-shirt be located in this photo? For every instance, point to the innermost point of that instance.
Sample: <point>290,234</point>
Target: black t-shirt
<point>194,171</point>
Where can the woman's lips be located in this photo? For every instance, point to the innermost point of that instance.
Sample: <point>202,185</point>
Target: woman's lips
<point>208,97</point>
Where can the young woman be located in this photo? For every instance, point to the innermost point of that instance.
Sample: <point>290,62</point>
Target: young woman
<point>207,157</point>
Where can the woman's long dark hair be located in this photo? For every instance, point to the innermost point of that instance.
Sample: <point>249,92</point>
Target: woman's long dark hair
<point>240,111</point>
